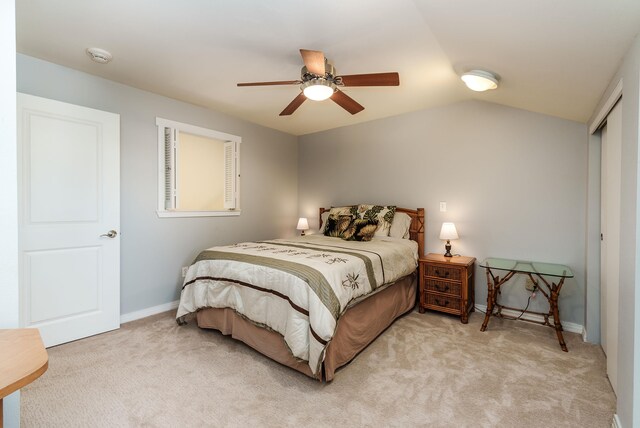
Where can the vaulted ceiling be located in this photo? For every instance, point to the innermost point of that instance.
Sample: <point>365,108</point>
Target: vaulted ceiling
<point>553,57</point>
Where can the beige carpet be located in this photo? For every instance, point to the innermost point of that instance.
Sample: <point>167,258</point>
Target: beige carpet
<point>425,370</point>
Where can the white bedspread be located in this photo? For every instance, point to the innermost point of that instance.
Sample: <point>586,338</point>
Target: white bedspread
<point>297,287</point>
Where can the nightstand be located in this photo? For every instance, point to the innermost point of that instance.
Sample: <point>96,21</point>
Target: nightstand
<point>447,284</point>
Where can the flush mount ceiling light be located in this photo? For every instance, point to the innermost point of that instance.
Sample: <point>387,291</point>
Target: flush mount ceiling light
<point>99,55</point>
<point>318,89</point>
<point>480,80</point>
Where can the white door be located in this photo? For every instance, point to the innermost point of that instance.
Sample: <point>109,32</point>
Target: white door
<point>610,244</point>
<point>69,201</point>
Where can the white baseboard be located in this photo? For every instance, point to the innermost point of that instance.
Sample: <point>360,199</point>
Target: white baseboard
<point>584,334</point>
<point>143,313</point>
<point>616,422</point>
<point>566,326</point>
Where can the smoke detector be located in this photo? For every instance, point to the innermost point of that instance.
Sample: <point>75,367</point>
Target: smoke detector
<point>99,55</point>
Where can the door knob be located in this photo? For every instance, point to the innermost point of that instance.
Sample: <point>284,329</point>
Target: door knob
<point>110,234</point>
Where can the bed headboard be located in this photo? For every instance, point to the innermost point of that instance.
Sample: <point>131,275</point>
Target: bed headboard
<point>416,230</point>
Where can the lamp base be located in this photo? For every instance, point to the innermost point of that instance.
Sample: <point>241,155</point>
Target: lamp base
<point>447,247</point>
<point>302,233</point>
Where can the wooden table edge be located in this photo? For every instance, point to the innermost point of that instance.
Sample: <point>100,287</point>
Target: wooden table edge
<point>21,383</point>
<point>455,260</point>
<point>33,372</point>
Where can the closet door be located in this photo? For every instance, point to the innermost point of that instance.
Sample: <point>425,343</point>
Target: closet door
<point>610,242</point>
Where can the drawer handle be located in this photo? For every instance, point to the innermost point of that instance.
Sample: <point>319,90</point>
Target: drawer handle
<point>442,276</point>
<point>446,303</point>
<point>442,290</point>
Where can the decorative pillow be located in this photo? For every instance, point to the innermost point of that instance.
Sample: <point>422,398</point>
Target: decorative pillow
<point>400,226</point>
<point>337,225</point>
<point>360,230</point>
<point>351,210</point>
<point>324,217</point>
<point>384,215</point>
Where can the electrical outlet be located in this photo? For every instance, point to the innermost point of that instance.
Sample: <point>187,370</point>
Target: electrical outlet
<point>443,207</point>
<point>529,285</point>
<point>184,271</point>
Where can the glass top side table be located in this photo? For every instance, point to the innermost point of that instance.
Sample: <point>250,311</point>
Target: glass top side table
<point>551,290</point>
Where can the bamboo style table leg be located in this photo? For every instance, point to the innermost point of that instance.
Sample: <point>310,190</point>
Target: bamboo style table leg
<point>554,310</point>
<point>553,302</point>
<point>491,299</point>
<point>493,288</point>
<point>464,317</point>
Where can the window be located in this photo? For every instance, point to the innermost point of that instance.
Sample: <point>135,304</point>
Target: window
<point>198,171</point>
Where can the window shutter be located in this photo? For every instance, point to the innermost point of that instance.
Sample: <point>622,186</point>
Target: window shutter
<point>169,169</point>
<point>230,168</point>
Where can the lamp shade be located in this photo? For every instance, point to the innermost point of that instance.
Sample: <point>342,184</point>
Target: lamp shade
<point>448,231</point>
<point>303,224</point>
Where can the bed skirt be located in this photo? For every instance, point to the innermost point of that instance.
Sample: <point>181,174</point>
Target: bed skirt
<point>357,328</point>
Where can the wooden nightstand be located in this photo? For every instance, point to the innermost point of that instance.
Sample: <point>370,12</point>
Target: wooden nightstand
<point>447,284</point>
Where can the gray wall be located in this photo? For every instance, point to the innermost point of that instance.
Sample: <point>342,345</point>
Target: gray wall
<point>629,309</point>
<point>514,183</point>
<point>153,249</point>
<point>9,304</point>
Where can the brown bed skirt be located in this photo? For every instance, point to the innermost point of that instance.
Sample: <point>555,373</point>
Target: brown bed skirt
<point>357,328</point>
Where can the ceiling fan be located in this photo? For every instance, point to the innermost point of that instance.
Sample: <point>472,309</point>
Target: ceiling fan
<point>319,81</point>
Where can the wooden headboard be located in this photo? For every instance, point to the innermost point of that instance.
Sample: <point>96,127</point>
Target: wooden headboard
<point>416,230</point>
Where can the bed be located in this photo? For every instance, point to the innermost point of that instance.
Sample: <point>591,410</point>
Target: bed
<point>311,303</point>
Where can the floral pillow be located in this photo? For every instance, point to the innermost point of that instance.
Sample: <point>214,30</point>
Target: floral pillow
<point>384,215</point>
<point>360,230</point>
<point>337,225</point>
<point>351,210</point>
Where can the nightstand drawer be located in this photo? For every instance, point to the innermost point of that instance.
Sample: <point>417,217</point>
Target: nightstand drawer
<point>444,272</point>
<point>442,301</point>
<point>431,284</point>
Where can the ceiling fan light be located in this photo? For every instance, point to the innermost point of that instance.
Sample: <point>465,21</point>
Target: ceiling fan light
<point>318,89</point>
<point>479,80</point>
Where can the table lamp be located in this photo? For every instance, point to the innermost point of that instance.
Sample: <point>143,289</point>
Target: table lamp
<point>303,225</point>
<point>448,232</point>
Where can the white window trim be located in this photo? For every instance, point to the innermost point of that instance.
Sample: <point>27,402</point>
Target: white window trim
<point>167,213</point>
<point>197,130</point>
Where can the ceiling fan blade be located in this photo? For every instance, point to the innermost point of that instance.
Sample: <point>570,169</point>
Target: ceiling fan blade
<point>346,102</point>
<point>293,106</point>
<point>372,79</point>
<point>314,61</point>
<point>282,82</point>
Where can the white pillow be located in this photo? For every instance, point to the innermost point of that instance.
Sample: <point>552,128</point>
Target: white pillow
<point>400,226</point>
